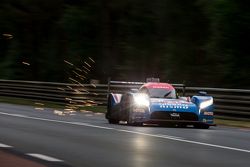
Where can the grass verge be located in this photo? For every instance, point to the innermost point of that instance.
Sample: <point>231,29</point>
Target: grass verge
<point>46,104</point>
<point>244,124</point>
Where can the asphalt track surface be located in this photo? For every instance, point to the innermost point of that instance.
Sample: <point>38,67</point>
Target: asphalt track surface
<point>86,140</point>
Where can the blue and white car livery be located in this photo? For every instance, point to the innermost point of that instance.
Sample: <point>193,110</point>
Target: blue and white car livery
<point>158,103</point>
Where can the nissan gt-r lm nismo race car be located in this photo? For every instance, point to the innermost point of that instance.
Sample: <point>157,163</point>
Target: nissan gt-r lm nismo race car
<point>158,103</point>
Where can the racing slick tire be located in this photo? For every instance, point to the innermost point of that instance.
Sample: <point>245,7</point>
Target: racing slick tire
<point>113,121</point>
<point>130,119</point>
<point>201,126</point>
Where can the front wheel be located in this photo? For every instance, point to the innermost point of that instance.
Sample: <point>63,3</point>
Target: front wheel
<point>113,121</point>
<point>131,120</point>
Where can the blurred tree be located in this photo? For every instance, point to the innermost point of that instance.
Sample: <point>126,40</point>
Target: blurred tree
<point>228,44</point>
<point>203,43</point>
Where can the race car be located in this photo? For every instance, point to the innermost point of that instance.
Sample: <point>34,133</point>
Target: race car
<point>158,103</point>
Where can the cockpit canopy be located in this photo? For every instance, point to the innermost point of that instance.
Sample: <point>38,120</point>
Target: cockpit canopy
<point>159,90</point>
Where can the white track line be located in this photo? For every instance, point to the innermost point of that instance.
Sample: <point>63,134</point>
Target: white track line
<point>4,146</point>
<point>44,157</point>
<point>175,138</point>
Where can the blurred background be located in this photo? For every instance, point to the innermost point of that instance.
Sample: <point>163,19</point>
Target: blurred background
<point>196,42</point>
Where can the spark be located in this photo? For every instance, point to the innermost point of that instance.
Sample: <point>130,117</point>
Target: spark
<point>85,68</point>
<point>68,110</point>
<point>76,81</point>
<point>25,63</point>
<point>85,71</point>
<point>70,87</point>
<point>77,73</point>
<point>8,36</point>
<point>39,108</point>
<point>69,99</point>
<point>85,111</point>
<point>91,101</point>
<point>70,102</point>
<point>78,69</point>
<point>88,104</point>
<point>57,112</point>
<point>98,113</point>
<point>40,104</point>
<point>93,85</point>
<point>87,64</point>
<point>61,89</point>
<point>68,63</point>
<point>77,91</point>
<point>83,78</point>
<point>71,107</point>
<point>91,59</point>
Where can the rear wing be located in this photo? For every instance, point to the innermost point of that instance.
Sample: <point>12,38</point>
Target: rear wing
<point>136,85</point>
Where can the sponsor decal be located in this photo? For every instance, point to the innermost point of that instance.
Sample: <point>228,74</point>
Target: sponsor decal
<point>174,106</point>
<point>175,114</point>
<point>161,87</point>
<point>208,113</point>
<point>167,101</point>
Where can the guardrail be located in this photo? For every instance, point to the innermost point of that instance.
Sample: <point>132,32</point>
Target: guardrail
<point>229,103</point>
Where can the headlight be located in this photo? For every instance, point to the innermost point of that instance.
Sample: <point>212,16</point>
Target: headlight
<point>141,100</point>
<point>205,104</point>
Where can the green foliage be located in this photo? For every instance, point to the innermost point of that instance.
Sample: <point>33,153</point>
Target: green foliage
<point>199,42</point>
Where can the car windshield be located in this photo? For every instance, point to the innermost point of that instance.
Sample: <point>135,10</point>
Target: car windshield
<point>162,93</point>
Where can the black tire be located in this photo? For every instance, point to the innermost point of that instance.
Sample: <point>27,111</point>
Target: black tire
<point>113,121</point>
<point>108,113</point>
<point>132,123</point>
<point>201,126</point>
<point>182,125</point>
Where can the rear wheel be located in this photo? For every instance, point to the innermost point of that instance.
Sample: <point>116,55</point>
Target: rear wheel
<point>201,126</point>
<point>182,125</point>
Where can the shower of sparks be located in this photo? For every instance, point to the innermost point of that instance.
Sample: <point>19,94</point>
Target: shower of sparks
<point>25,63</point>
<point>79,74</point>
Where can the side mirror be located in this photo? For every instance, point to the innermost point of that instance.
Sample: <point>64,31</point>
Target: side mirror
<point>202,93</point>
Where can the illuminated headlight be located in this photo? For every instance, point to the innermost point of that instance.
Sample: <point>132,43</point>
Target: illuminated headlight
<point>205,104</point>
<point>141,100</point>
